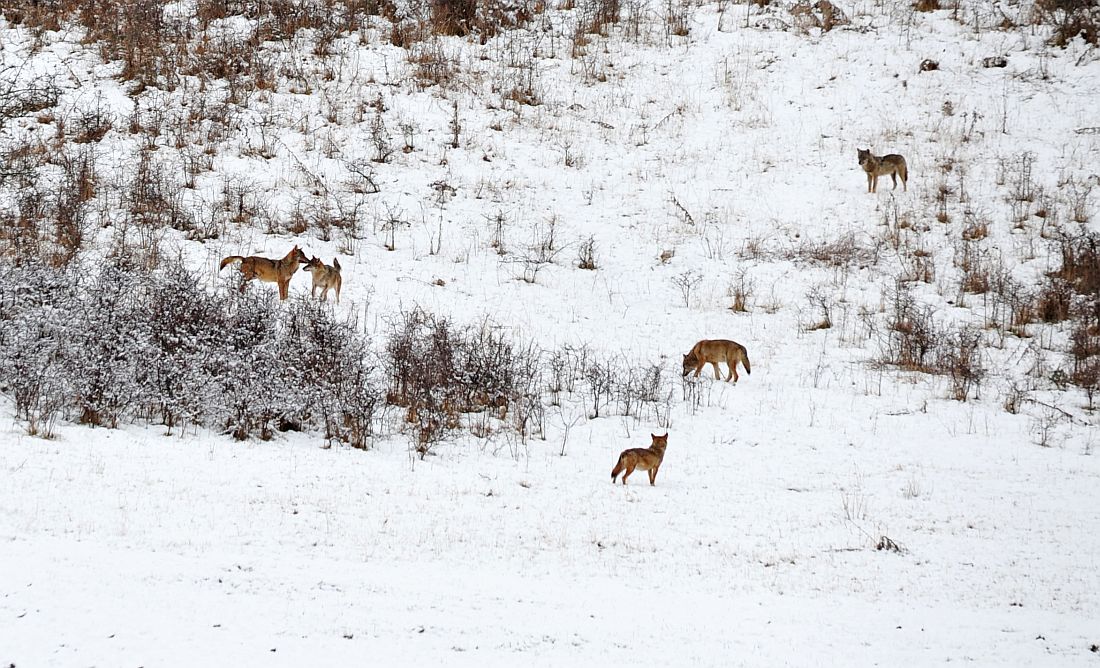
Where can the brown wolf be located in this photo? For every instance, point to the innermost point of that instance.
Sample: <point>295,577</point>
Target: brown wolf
<point>268,270</point>
<point>325,277</point>
<point>646,459</point>
<point>881,165</point>
<point>715,351</point>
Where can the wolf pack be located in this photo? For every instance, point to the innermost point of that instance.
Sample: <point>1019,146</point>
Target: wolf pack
<point>707,351</point>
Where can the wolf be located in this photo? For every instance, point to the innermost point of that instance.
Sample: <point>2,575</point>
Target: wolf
<point>268,270</point>
<point>325,277</point>
<point>881,165</point>
<point>646,459</point>
<point>715,351</point>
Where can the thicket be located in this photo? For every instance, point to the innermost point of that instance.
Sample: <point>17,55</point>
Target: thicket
<point>1069,19</point>
<point>126,344</point>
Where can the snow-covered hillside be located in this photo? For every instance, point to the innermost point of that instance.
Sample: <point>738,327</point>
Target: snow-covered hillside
<point>906,477</point>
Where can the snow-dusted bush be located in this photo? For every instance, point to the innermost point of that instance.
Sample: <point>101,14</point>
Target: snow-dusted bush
<point>109,345</point>
<point>257,387</point>
<point>126,344</point>
<point>37,324</point>
<point>328,374</point>
<point>185,325</point>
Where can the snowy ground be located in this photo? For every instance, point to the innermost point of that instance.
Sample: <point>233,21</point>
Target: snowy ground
<point>758,544</point>
<point>754,548</point>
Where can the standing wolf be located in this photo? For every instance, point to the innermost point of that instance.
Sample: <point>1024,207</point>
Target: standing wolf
<point>268,270</point>
<point>713,351</point>
<point>882,165</point>
<point>325,277</point>
<point>646,459</point>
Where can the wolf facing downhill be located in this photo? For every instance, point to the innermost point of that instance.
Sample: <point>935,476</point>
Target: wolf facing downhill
<point>325,277</point>
<point>713,351</point>
<point>882,165</point>
<point>646,459</point>
<point>268,270</point>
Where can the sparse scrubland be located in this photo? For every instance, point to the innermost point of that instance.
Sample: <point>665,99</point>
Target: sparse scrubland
<point>538,207</point>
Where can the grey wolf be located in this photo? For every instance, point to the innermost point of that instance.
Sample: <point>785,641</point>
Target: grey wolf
<point>646,459</point>
<point>268,270</point>
<point>882,165</point>
<point>325,277</point>
<point>713,351</point>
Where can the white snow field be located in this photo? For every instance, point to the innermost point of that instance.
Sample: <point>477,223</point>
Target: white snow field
<point>826,510</point>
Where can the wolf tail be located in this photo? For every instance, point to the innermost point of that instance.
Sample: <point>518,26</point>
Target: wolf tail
<point>618,469</point>
<point>229,259</point>
<point>745,359</point>
<point>336,263</point>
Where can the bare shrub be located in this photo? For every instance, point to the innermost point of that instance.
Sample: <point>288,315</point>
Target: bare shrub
<point>1054,300</point>
<point>975,266</point>
<point>137,33</point>
<point>1080,207</point>
<point>91,125</point>
<point>22,98</point>
<point>1019,173</point>
<point>282,19</point>
<point>541,252</point>
<point>586,254</point>
<point>844,251</point>
<point>522,86</point>
<point>453,17</point>
<point>912,336</point>
<point>975,230</point>
<point>821,302</point>
<point>484,17</point>
<point>599,377</point>
<point>361,177</point>
<point>686,283</point>
<point>393,220</point>
<point>438,371</point>
<point>741,291</point>
<point>919,267</point>
<point>152,197</point>
<point>960,359</point>
<point>1081,262</point>
<point>434,66</point>
<point>70,204</point>
<point>380,137</point>
<point>677,15</point>
<point>1069,19</point>
<point>642,389</point>
<point>1087,377</point>
<point>596,15</point>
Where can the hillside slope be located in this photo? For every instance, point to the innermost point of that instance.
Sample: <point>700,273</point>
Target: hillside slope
<point>858,499</point>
